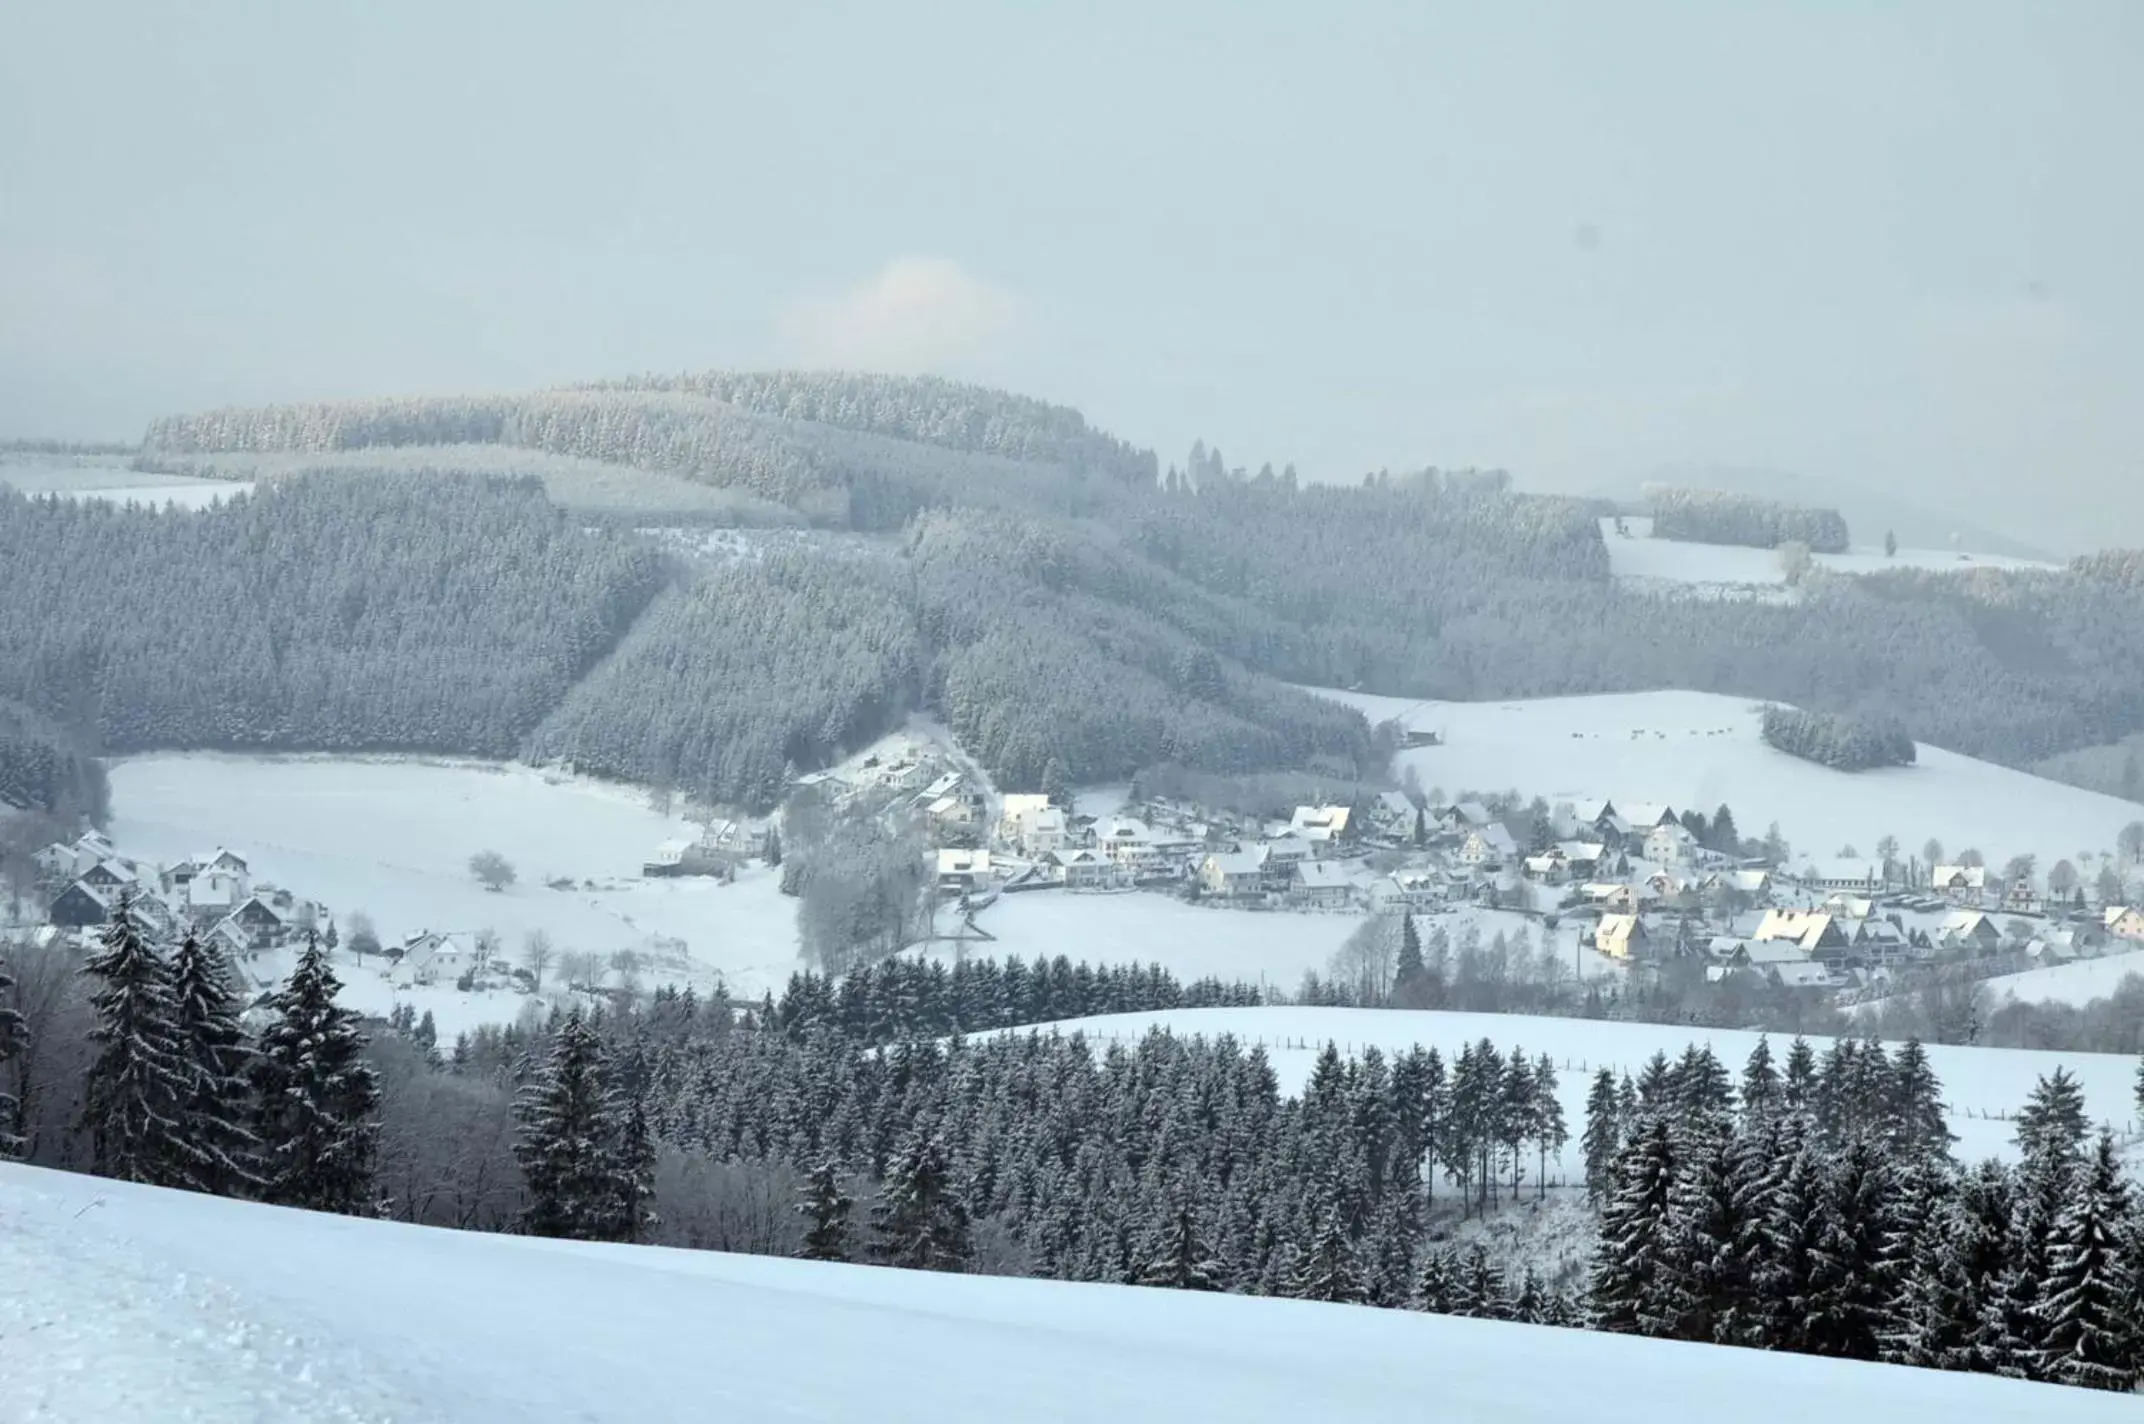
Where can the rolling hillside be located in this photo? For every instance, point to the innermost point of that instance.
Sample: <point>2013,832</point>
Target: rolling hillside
<point>154,1305</point>
<point>1694,750</point>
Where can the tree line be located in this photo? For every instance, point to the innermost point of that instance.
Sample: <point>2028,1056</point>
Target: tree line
<point>43,768</point>
<point>1718,517</point>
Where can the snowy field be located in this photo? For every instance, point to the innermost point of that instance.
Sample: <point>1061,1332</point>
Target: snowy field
<point>1697,750</point>
<point>1979,1084</point>
<point>392,837</point>
<point>2077,983</point>
<point>108,478</point>
<point>154,1305</point>
<point>1639,556</point>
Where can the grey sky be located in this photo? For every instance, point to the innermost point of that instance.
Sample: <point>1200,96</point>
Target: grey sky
<point>1888,243</point>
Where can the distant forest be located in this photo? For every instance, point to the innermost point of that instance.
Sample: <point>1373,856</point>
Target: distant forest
<point>1040,585</point>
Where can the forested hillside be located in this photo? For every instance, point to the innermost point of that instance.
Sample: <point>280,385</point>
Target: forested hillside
<point>1052,599</point>
<point>440,614</point>
<point>43,769</point>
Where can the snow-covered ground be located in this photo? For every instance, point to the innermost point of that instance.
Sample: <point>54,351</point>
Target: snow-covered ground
<point>1639,556</point>
<point>1697,750</point>
<point>1979,1084</point>
<point>107,478</point>
<point>141,1304</point>
<point>392,837</point>
<point>2077,983</point>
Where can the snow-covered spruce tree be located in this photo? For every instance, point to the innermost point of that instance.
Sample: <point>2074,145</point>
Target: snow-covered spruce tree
<point>1632,1290</point>
<point>137,1089</point>
<point>568,1140</point>
<point>919,1220</point>
<point>12,1033</point>
<point>2050,1129</point>
<point>1920,1129</point>
<point>1329,1269</point>
<point>633,1180</point>
<point>825,1209</point>
<point>1761,1089</point>
<point>318,1101</point>
<point>1178,1258</point>
<point>1936,1312</point>
<point>218,1151</point>
<point>1718,1206</point>
<point>1603,1137</point>
<point>1791,1238</point>
<point>1851,1284</point>
<point>1433,1282</point>
<point>1798,1079</point>
<point>2090,1339</point>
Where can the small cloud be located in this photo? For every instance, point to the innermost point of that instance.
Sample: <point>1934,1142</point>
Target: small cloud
<point>913,314</point>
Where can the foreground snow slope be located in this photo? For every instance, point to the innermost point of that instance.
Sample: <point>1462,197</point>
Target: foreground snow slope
<point>131,1303</point>
<point>1979,1084</point>
<point>1697,750</point>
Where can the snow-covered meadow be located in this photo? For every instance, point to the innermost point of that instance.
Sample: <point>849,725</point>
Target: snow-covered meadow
<point>1980,1085</point>
<point>392,837</point>
<point>146,1304</point>
<point>1699,750</point>
<point>108,478</point>
<point>2075,983</point>
<point>1639,557</point>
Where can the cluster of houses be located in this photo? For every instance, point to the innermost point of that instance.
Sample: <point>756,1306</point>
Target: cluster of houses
<point>212,895</point>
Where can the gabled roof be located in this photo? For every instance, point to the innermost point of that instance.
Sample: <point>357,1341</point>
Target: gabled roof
<point>1471,812</point>
<point>1325,875</point>
<point>1963,922</point>
<point>1581,850</point>
<point>963,862</point>
<point>1237,862</point>
<point>1496,838</point>
<point>1803,927</point>
<point>1965,877</point>
<point>1806,975</point>
<point>1644,815</point>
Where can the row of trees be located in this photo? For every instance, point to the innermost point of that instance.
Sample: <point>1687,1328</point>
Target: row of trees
<point>44,769</point>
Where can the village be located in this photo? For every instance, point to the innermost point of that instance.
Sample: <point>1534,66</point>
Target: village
<point>1640,885</point>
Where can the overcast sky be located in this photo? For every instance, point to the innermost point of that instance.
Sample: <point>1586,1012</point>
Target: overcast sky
<point>1880,243</point>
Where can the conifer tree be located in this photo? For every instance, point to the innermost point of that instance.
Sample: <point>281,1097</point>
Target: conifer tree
<point>1798,1081</point>
<point>919,1220</point>
<point>138,1087</point>
<point>1433,1282</point>
<point>218,1151</point>
<point>1481,1288</point>
<point>567,1141</point>
<point>1330,1268</point>
<point>1761,1090</point>
<point>1550,1132</point>
<point>1603,1137</point>
<point>2090,1339</point>
<point>1850,1283</point>
<point>1178,1258</point>
<point>1631,1289</point>
<point>1709,1287</point>
<point>1409,974</point>
<point>317,1099</point>
<point>633,1181</point>
<point>1793,1236</point>
<point>12,1033</point>
<point>825,1209</point>
<point>1916,1113</point>
<point>2052,1122</point>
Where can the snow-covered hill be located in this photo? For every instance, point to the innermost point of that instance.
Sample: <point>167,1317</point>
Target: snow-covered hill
<point>129,1304</point>
<point>1697,750</point>
<point>1979,1084</point>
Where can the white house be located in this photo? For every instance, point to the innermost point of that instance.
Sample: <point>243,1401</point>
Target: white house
<point>1669,843</point>
<point>1319,824</point>
<point>1234,874</point>
<point>1488,845</point>
<point>1327,884</point>
<point>962,870</point>
<point>1416,888</point>
<point>429,958</point>
<point>1085,868</point>
<point>2125,922</point>
<point>1962,883</point>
